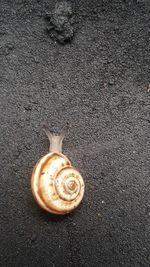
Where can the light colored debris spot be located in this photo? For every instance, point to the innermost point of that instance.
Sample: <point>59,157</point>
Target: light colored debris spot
<point>148,88</point>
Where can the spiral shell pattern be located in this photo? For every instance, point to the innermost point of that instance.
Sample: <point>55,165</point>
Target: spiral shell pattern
<point>56,185</point>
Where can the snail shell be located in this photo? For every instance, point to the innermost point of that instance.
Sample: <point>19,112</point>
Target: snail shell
<point>56,186</point>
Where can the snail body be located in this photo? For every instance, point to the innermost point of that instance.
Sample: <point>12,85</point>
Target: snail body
<point>56,185</point>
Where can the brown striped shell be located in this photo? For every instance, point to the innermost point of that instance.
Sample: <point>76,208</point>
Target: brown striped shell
<point>56,185</point>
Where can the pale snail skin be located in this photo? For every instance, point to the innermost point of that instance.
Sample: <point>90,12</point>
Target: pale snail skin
<point>56,186</point>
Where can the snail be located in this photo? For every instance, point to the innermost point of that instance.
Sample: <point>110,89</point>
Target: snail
<point>56,185</point>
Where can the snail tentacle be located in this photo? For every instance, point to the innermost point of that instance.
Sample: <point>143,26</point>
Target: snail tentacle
<point>47,131</point>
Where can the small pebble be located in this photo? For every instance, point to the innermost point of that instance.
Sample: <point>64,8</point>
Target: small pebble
<point>111,82</point>
<point>61,22</point>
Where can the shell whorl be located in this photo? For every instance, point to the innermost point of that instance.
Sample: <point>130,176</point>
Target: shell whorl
<point>56,185</point>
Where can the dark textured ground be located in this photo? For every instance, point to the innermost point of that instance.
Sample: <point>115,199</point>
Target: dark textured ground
<point>97,83</point>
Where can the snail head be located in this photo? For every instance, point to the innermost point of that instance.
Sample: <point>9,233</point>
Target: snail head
<point>55,140</point>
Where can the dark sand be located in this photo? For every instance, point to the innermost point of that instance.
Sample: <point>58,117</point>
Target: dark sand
<point>98,83</point>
